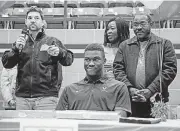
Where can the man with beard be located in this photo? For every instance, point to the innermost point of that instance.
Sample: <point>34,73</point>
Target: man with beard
<point>38,57</point>
<point>143,62</point>
<point>96,91</point>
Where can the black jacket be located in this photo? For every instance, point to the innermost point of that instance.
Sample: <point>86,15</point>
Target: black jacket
<point>126,59</point>
<point>37,70</point>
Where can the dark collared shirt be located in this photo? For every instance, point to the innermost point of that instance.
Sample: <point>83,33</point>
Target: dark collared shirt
<point>103,95</point>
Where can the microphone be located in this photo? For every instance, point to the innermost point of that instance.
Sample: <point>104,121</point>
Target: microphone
<point>24,31</point>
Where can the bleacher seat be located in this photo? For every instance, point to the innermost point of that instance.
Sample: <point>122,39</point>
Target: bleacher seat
<point>124,12</point>
<point>58,5</point>
<point>138,4</point>
<point>70,4</point>
<point>40,4</point>
<point>86,12</point>
<point>93,4</point>
<point>176,23</point>
<point>157,24</point>
<point>139,10</point>
<point>121,11</point>
<point>55,12</point>
<point>1,25</point>
<point>17,5</point>
<point>112,4</point>
<point>8,11</point>
<point>19,12</point>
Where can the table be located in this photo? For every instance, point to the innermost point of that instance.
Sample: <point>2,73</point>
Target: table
<point>75,121</point>
<point>26,124</point>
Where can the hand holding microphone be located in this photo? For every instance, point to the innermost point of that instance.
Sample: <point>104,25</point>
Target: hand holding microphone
<point>21,41</point>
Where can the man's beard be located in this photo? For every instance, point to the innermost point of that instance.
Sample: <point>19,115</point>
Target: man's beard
<point>35,28</point>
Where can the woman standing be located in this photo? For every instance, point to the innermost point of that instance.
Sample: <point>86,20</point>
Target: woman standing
<point>117,30</point>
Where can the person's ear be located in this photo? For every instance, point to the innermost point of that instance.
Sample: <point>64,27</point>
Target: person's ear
<point>105,60</point>
<point>44,24</point>
<point>151,23</point>
<point>25,21</point>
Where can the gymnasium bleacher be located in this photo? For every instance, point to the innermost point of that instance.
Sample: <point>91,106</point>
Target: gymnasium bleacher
<point>83,24</point>
<point>75,9</point>
<point>84,14</point>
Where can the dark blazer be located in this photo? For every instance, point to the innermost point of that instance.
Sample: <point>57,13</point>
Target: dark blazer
<point>126,59</point>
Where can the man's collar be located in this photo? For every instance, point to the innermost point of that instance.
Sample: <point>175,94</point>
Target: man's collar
<point>40,35</point>
<point>101,80</point>
<point>153,39</point>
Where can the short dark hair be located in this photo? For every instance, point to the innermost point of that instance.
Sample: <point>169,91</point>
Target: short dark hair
<point>95,47</point>
<point>122,30</point>
<point>146,14</point>
<point>35,9</point>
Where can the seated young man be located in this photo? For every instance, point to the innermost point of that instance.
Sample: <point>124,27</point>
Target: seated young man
<point>96,91</point>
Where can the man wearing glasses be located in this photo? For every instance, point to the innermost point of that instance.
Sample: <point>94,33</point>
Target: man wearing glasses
<point>143,62</point>
<point>37,56</point>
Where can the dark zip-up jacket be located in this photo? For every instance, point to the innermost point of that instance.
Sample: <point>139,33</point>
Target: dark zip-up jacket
<point>37,70</point>
<point>126,59</point>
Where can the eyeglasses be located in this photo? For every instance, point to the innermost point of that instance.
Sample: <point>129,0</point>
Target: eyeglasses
<point>142,24</point>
